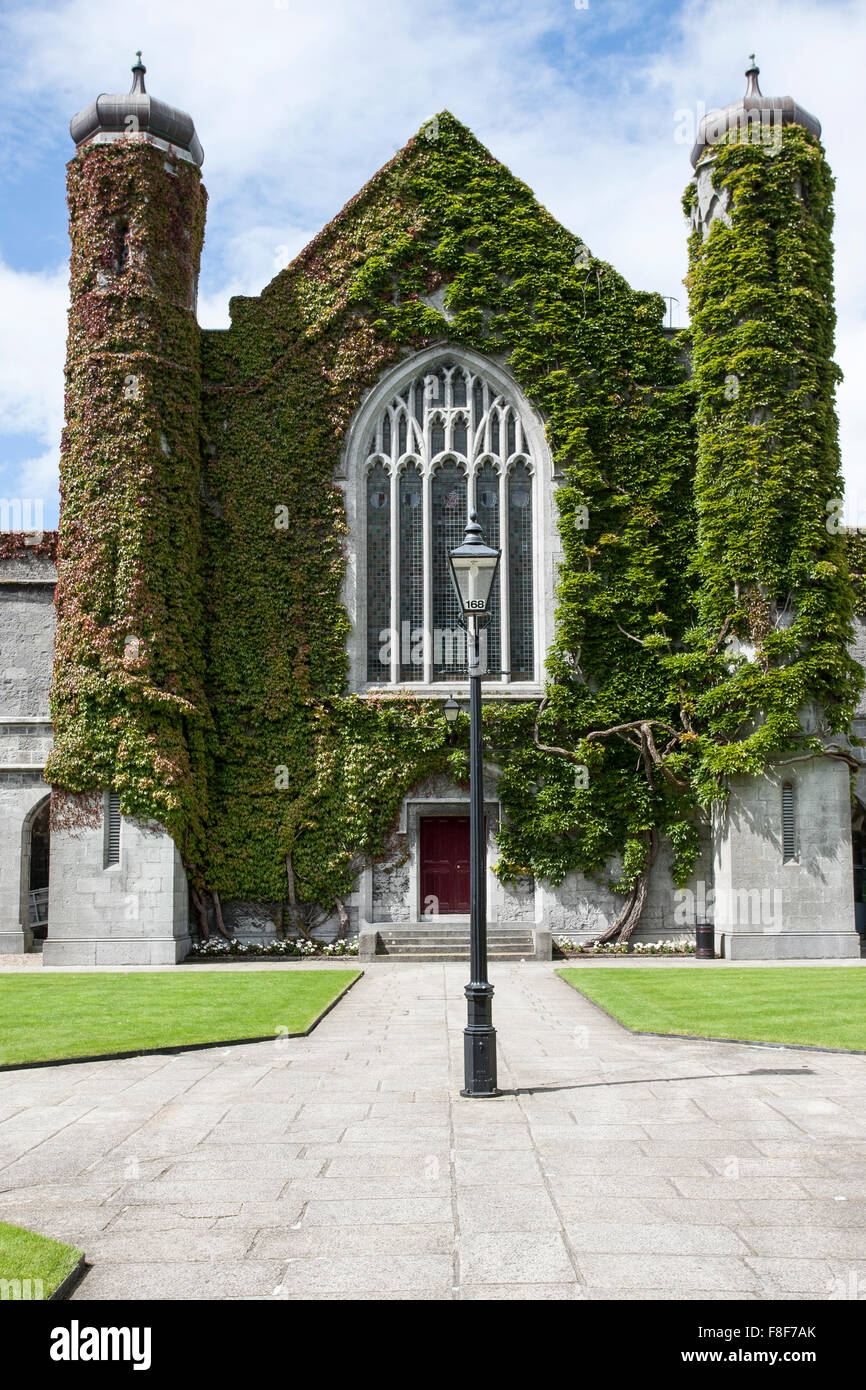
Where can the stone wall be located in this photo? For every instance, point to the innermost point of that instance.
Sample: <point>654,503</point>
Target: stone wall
<point>26,647</point>
<point>134,912</point>
<point>26,634</point>
<point>256,922</point>
<point>391,891</point>
<point>768,906</point>
<point>581,907</point>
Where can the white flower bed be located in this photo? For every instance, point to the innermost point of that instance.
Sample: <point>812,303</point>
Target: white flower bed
<point>290,947</point>
<point>674,946</point>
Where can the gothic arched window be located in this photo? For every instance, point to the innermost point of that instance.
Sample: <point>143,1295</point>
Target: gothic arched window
<point>450,441</point>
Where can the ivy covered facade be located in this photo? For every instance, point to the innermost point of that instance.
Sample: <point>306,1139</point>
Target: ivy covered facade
<point>254,631</point>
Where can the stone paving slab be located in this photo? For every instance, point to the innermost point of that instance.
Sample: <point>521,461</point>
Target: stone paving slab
<point>347,1165</point>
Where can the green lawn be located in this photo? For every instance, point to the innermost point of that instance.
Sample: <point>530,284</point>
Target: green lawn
<point>31,1266</point>
<point>54,1016</point>
<point>824,1007</point>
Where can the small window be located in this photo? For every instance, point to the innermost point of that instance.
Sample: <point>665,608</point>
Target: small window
<point>789,846</point>
<point>112,830</point>
<point>121,248</point>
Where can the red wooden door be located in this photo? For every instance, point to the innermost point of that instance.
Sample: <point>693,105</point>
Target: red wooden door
<point>444,864</point>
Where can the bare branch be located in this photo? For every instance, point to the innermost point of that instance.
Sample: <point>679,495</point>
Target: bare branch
<point>635,724</point>
<point>840,754</point>
<point>631,638</point>
<point>722,635</point>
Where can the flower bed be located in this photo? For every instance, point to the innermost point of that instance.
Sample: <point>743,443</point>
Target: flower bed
<point>290,947</point>
<point>674,946</point>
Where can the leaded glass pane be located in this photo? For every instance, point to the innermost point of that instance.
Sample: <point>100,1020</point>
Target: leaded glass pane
<point>449,524</point>
<point>378,573</point>
<point>487,507</point>
<point>411,576</point>
<point>460,437</point>
<point>520,571</point>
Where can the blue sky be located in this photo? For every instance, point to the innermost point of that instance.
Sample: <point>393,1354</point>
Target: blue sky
<point>297,104</point>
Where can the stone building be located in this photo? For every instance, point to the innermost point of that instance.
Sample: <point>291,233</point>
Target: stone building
<point>434,430</point>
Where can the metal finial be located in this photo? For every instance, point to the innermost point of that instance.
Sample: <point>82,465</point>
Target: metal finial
<point>138,72</point>
<point>752,90</point>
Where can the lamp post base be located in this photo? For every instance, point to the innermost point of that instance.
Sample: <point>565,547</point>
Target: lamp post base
<point>479,1043</point>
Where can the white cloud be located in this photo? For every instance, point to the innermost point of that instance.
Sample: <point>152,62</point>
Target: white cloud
<point>34,482</point>
<point>32,349</point>
<point>298,105</point>
<point>251,258</point>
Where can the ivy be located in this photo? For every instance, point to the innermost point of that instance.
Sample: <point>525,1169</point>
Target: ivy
<point>770,567</point>
<point>678,522</point>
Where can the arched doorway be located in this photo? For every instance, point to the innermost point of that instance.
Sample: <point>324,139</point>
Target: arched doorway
<point>36,866</point>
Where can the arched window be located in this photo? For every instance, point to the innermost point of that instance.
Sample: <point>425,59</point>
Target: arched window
<point>378,568</point>
<point>448,441</point>
<point>789,829</point>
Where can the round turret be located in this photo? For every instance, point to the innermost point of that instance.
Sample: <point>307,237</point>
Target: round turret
<point>753,113</point>
<point>137,113</point>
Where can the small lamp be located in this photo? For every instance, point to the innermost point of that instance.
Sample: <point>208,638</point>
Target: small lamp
<point>473,570</point>
<point>452,709</point>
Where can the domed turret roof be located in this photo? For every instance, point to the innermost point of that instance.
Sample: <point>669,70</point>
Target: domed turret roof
<point>110,117</point>
<point>753,106</point>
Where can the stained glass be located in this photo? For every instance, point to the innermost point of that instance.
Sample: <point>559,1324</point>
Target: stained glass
<point>520,571</point>
<point>449,524</point>
<point>449,424</point>
<point>411,575</point>
<point>378,573</point>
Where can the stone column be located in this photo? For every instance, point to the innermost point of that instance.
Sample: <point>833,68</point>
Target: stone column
<point>769,906</point>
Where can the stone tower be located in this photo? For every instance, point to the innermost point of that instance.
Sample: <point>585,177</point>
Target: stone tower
<point>127,701</point>
<point>761,295</point>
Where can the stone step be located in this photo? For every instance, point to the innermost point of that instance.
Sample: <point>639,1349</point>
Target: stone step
<point>452,936</point>
<point>504,943</point>
<point>439,947</point>
<point>442,934</point>
<point>436,941</point>
<point>450,955</point>
<point>443,924</point>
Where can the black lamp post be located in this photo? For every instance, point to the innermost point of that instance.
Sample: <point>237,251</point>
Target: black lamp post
<point>473,570</point>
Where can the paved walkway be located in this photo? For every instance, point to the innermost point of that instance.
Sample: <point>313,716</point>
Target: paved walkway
<point>346,1164</point>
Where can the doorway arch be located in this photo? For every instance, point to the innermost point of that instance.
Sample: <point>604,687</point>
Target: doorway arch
<point>35,869</point>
